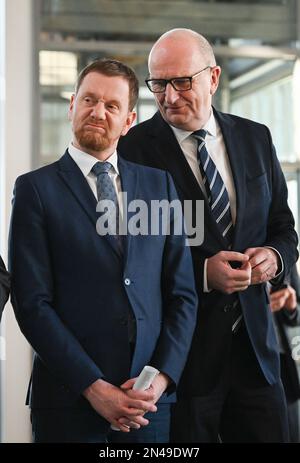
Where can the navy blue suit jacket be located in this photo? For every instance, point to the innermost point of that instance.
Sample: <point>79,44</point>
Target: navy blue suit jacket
<point>72,289</point>
<point>263,219</point>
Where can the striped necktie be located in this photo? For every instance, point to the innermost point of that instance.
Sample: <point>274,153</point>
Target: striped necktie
<point>217,194</point>
<point>218,200</point>
<point>105,188</point>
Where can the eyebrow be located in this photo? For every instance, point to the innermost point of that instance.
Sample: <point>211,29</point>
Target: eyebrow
<point>89,94</point>
<point>171,78</point>
<point>93,95</point>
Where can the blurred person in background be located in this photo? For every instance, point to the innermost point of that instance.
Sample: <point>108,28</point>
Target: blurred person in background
<point>285,305</point>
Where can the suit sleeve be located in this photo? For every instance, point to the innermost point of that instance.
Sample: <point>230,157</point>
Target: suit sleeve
<point>4,286</point>
<point>33,293</point>
<point>179,299</point>
<point>281,233</point>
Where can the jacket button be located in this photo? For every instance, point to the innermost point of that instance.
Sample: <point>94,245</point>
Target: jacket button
<point>226,308</point>
<point>127,281</point>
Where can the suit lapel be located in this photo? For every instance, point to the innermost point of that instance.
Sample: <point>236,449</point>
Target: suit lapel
<point>236,159</point>
<point>77,184</point>
<point>129,183</point>
<point>173,159</point>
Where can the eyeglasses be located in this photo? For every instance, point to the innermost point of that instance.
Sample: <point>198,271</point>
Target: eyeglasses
<point>180,84</point>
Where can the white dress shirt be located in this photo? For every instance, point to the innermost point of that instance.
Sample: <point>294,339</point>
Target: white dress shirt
<point>86,162</point>
<point>216,149</point>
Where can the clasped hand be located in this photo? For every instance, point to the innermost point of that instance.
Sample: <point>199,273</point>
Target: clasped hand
<point>113,402</point>
<point>157,388</point>
<point>257,265</point>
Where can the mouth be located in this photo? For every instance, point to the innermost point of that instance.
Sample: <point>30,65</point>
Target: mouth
<point>174,108</point>
<point>99,128</point>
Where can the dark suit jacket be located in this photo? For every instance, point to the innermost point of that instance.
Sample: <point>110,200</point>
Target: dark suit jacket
<point>263,219</point>
<point>4,286</point>
<point>72,290</point>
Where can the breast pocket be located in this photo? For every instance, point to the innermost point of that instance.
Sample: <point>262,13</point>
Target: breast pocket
<point>257,207</point>
<point>257,182</point>
<point>258,191</point>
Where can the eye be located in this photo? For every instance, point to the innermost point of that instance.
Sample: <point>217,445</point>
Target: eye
<point>157,84</point>
<point>88,100</point>
<point>112,107</point>
<point>181,83</point>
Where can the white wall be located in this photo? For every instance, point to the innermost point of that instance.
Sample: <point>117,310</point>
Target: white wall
<point>18,134</point>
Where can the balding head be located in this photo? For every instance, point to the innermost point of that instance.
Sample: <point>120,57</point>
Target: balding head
<point>183,53</point>
<point>181,43</point>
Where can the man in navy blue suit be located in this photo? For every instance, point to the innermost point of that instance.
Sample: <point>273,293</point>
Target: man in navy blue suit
<point>4,286</point>
<point>98,308</point>
<point>231,387</point>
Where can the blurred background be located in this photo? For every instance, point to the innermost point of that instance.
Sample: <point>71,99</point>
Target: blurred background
<point>45,43</point>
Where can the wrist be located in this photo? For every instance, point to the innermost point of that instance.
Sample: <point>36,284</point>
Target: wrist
<point>164,381</point>
<point>93,389</point>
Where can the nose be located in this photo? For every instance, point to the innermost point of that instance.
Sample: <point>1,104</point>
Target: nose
<point>171,95</point>
<point>98,111</point>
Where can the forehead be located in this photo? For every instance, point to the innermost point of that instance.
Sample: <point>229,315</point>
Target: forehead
<point>174,60</point>
<point>107,87</point>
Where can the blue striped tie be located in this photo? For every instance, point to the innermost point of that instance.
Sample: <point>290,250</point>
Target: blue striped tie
<point>217,194</point>
<point>220,206</point>
<point>105,187</point>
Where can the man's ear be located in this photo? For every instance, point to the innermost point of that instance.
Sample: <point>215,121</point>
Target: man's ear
<point>71,106</point>
<point>214,79</point>
<point>131,117</point>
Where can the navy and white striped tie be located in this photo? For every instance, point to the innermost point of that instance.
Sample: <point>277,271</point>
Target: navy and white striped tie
<point>220,206</point>
<point>217,194</point>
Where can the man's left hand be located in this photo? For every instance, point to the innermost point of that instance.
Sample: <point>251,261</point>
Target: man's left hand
<point>264,264</point>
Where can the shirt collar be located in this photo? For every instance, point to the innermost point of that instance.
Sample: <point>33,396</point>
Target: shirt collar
<point>210,126</point>
<point>86,161</point>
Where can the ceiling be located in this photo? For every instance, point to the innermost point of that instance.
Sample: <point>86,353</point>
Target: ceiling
<point>270,21</point>
<point>244,33</point>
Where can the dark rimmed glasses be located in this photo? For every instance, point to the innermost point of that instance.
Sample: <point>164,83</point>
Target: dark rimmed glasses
<point>180,84</point>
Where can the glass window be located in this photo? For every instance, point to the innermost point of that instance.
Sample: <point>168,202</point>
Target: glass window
<point>146,105</point>
<point>272,105</point>
<point>57,68</point>
<point>275,105</point>
<point>55,129</point>
<point>293,179</point>
<point>58,73</point>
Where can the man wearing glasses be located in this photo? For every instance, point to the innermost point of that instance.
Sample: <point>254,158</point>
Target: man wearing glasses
<point>231,389</point>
